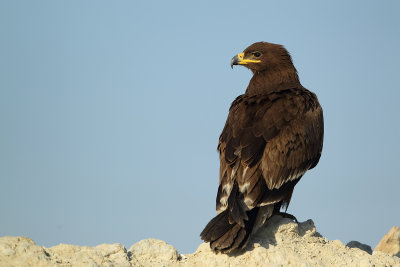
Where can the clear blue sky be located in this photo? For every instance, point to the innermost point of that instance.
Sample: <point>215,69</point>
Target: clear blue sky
<point>110,113</point>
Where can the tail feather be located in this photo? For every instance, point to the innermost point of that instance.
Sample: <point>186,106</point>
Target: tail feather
<point>241,239</point>
<point>225,241</point>
<point>237,210</point>
<point>226,235</point>
<point>217,227</point>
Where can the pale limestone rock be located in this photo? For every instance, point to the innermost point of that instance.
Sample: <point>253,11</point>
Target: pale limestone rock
<point>101,255</point>
<point>22,251</point>
<point>390,243</point>
<point>153,252</point>
<point>280,242</point>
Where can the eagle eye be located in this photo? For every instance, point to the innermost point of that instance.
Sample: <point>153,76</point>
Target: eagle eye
<point>257,54</point>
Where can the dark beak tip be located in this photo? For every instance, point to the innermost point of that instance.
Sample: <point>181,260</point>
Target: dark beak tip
<point>234,61</point>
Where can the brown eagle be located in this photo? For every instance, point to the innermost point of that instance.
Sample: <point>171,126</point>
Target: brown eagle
<point>273,135</point>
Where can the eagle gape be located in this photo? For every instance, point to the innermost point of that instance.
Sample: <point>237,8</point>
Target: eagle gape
<point>272,136</point>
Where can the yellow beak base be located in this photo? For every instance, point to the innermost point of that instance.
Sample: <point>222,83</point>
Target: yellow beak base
<point>243,61</point>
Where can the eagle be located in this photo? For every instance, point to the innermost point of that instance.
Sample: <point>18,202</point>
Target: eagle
<point>272,136</point>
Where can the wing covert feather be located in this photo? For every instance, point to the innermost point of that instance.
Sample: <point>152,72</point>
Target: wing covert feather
<point>268,141</point>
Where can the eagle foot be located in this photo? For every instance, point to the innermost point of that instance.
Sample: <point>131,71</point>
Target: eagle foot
<point>287,215</point>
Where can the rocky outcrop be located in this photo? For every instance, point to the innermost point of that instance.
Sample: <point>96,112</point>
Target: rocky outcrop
<point>390,243</point>
<point>279,243</point>
<point>22,251</point>
<point>356,244</point>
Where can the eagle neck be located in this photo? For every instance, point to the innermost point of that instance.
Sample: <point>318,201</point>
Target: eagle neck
<point>268,81</point>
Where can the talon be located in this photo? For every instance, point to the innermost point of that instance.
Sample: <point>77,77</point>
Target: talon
<point>287,215</point>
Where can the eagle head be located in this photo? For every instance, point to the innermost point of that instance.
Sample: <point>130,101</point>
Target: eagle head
<point>262,56</point>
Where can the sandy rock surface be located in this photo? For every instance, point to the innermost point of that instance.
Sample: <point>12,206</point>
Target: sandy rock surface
<point>390,243</point>
<point>279,243</point>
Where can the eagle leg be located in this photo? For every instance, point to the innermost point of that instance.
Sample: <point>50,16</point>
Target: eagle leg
<point>287,215</point>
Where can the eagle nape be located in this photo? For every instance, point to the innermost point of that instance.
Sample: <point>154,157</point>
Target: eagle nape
<point>273,135</point>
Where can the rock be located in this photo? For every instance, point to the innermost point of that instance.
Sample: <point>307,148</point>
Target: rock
<point>153,252</point>
<point>101,255</point>
<point>390,242</point>
<point>280,242</point>
<point>22,251</point>
<point>356,244</point>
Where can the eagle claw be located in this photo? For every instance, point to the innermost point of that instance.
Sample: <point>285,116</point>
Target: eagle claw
<point>287,215</point>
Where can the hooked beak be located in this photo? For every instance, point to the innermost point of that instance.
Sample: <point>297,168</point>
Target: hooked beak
<point>235,61</point>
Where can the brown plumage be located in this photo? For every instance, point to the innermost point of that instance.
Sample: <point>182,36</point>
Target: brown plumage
<point>273,135</point>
